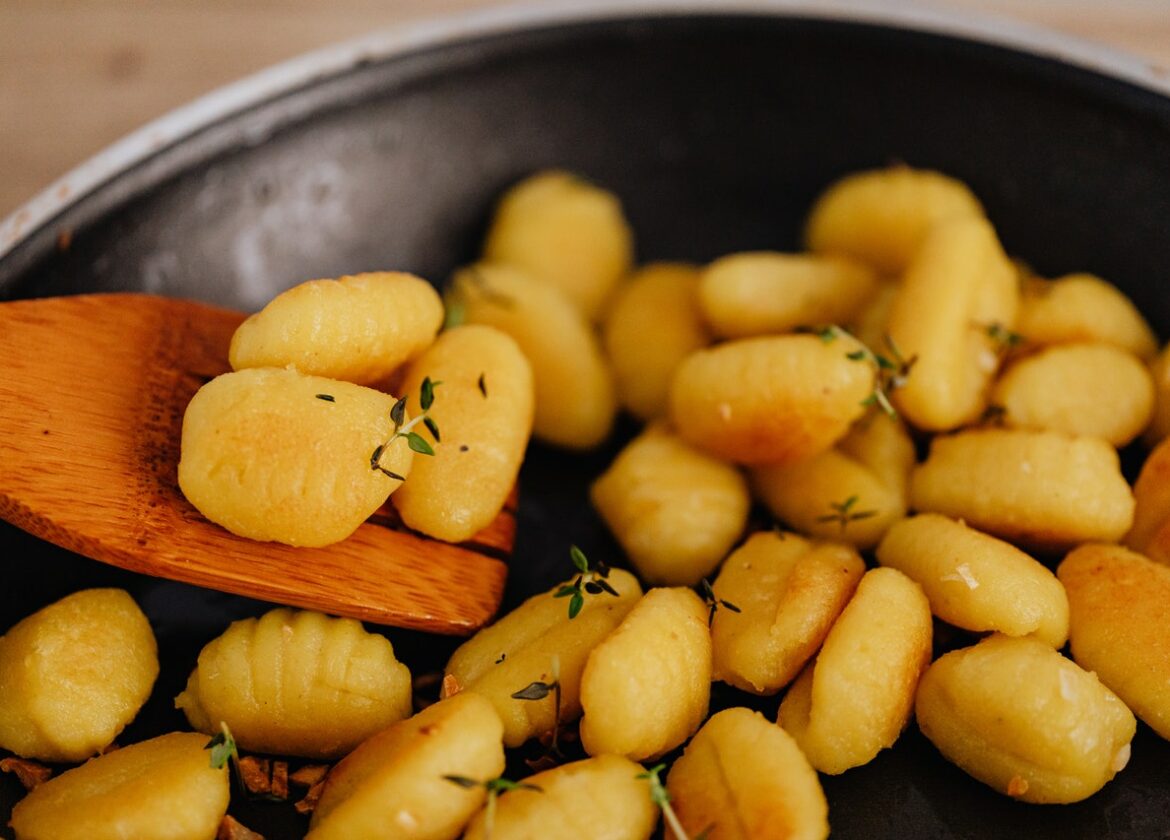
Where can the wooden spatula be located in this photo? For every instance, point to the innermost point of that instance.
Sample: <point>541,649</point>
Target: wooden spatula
<point>92,394</point>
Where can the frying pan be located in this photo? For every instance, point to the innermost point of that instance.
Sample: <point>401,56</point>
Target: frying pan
<point>716,124</point>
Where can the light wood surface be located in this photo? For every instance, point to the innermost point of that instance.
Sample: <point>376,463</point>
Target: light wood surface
<point>75,75</point>
<point>95,472</point>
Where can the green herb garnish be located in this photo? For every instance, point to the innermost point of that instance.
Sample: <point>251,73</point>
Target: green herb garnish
<point>660,796</point>
<point>404,430</point>
<point>494,788</point>
<point>843,513</point>
<point>326,397</point>
<point>594,585</point>
<point>539,690</point>
<point>714,603</point>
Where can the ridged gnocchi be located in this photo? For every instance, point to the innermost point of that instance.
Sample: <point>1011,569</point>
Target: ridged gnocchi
<point>856,697</point>
<point>297,682</point>
<point>788,592</point>
<point>358,328</point>
<point>538,642</point>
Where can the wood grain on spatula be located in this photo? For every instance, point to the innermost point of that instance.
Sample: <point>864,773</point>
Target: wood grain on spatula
<point>92,394</point>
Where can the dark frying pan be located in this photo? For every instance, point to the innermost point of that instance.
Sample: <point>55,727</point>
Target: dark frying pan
<point>717,128</point>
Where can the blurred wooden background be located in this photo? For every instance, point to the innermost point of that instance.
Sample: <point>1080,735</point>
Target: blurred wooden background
<point>75,75</point>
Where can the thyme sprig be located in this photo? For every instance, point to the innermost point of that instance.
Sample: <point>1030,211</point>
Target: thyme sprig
<point>660,796</point>
<point>539,690</point>
<point>590,580</point>
<point>891,368</point>
<point>714,603</point>
<point>494,788</point>
<point>223,751</point>
<point>843,513</point>
<point>890,373</point>
<point>405,430</point>
<point>1004,338</point>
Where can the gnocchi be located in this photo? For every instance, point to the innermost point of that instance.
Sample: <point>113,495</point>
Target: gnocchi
<point>74,674</point>
<point>297,682</point>
<point>358,328</point>
<point>276,455</point>
<point>1019,717</point>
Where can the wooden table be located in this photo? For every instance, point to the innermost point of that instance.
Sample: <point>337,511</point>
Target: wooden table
<point>75,75</point>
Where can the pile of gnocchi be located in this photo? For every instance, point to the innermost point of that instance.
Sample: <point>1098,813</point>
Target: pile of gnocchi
<point>844,450</point>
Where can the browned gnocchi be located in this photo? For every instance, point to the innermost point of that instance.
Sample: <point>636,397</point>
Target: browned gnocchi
<point>787,592</point>
<point>774,399</point>
<point>1120,605</point>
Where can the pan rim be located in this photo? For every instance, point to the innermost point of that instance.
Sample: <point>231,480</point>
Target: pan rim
<point>437,31</point>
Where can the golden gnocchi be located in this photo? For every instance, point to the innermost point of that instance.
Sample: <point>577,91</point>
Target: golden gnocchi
<point>882,216</point>
<point>74,674</point>
<point>575,397</point>
<point>276,455</point>
<point>484,414</point>
<point>599,797</point>
<point>975,581</point>
<point>539,642</point>
<point>959,290</point>
<point>1096,390</point>
<point>1083,308</point>
<point>773,399</point>
<point>856,697</point>
<point>161,789</point>
<point>788,592</point>
<point>646,687</point>
<point>765,292</point>
<point>297,682</point>
<point>654,323</point>
<point>676,510</point>
<point>359,328</point>
<point>1043,489</point>
<point>742,777</point>
<point>1019,717</point>
<point>396,783</point>
<point>565,232</point>
<point>1120,603</point>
